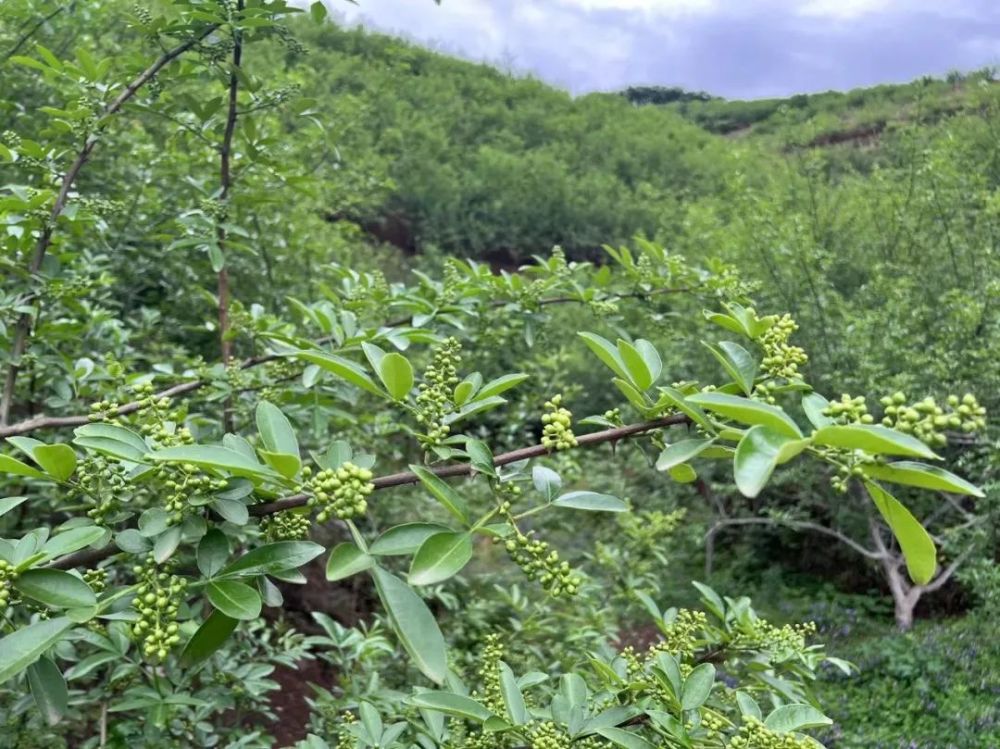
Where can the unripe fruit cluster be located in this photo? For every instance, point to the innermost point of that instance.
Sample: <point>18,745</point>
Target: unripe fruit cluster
<point>341,493</point>
<point>547,735</point>
<point>682,636</point>
<point>158,599</point>
<point>753,734</point>
<point>557,432</point>
<point>849,410</point>
<point>435,397</point>
<point>7,577</point>
<point>540,563</point>
<point>928,421</point>
<point>187,484</point>
<point>781,359</point>
<point>489,674</point>
<point>285,526</point>
<point>97,579</point>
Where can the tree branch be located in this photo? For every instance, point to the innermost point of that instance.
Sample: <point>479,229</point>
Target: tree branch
<point>88,557</point>
<point>23,328</point>
<point>33,30</point>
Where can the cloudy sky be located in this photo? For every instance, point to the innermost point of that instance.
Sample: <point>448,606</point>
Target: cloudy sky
<point>733,48</point>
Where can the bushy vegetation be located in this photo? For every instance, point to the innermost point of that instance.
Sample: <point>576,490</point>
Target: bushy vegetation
<point>356,396</point>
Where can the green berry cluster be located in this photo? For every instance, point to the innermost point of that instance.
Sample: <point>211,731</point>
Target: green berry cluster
<point>158,599</point>
<point>557,432</point>
<point>604,307</point>
<point>96,578</point>
<point>434,400</point>
<point>104,483</point>
<point>681,636</point>
<point>849,410</point>
<point>547,735</point>
<point>614,416</point>
<point>507,493</point>
<point>928,421</point>
<point>781,359</point>
<point>541,563</point>
<point>345,736</point>
<point>188,482</point>
<point>287,525</point>
<point>7,577</point>
<point>753,734</point>
<point>104,410</point>
<point>779,643</point>
<point>489,674</point>
<point>341,493</point>
<point>712,724</point>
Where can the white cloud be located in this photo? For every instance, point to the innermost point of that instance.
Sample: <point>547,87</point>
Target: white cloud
<point>653,7</point>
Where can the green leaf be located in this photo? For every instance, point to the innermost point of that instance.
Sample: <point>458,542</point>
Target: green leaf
<point>623,738</point>
<point>23,647</point>
<point>276,557</point>
<point>345,369</point>
<point>346,559</point>
<point>404,539</point>
<point>916,544</point>
<point>737,362</point>
<point>748,705</point>
<point>683,474</point>
<point>213,550</point>
<point>113,440</point>
<point>921,475</point>
<point>9,503</point>
<point>414,625</point>
<point>72,540</point>
<point>501,385</point>
<point>17,468</point>
<point>584,500</point>
<point>517,711</point>
<point>210,636</point>
<point>635,364</point>
<point>318,12</point>
<point>276,430</point>
<point>680,452</point>
<point>48,687</point>
<point>443,493</point>
<point>59,461</point>
<point>795,717</point>
<point>757,455</point>
<point>747,411</point>
<point>286,464</point>
<point>814,404</point>
<point>677,399</point>
<point>441,556</point>
<point>55,588</point>
<point>234,599</point>
<point>396,374</point>
<point>449,703</point>
<point>166,544</point>
<point>232,510</point>
<point>213,456</point>
<point>651,356</point>
<point>877,440</point>
<point>697,686</point>
<point>607,353</point>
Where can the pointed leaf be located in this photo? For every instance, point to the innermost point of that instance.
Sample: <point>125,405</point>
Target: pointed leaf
<point>513,700</point>
<point>276,557</point>
<point>747,411</point>
<point>607,353</point>
<point>48,687</point>
<point>680,452</point>
<point>55,588</point>
<point>441,556</point>
<point>396,374</point>
<point>345,369</point>
<point>916,544</point>
<point>209,637</point>
<point>924,476</point>
<point>795,717</point>
<point>414,625</point>
<point>23,647</point>
<point>59,461</point>
<point>404,539</point>
<point>346,559</point>
<point>584,500</point>
<point>443,493</point>
<point>234,599</point>
<point>757,455</point>
<point>635,364</point>
<point>276,431</point>
<point>874,439</point>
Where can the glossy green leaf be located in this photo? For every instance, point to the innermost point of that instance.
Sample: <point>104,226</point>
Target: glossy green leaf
<point>585,500</point>
<point>55,588</point>
<point>345,560</point>
<point>697,686</point>
<point>404,539</point>
<point>680,452</point>
<point>513,700</point>
<point>795,717</point>
<point>623,738</point>
<point>72,540</point>
<point>23,647</point>
<point>286,464</point>
<point>234,599</point>
<point>441,556</point>
<point>212,553</point>
<point>345,369</point>
<point>680,402</point>
<point>456,705</point>
<point>607,353</point>
<point>501,385</point>
<point>737,362</point>
<point>877,440</point>
<point>443,493</point>
<point>276,431</point>
<point>814,404</point>
<point>59,461</point>
<point>48,688</point>
<point>136,445</point>
<point>635,365</point>
<point>396,374</point>
<point>213,456</point>
<point>275,557</point>
<point>9,503</point>
<point>209,637</point>
<point>747,411</point>
<point>914,541</point>
<point>683,473</point>
<point>758,453</point>
<point>414,625</point>
<point>921,475</point>
<point>17,468</point>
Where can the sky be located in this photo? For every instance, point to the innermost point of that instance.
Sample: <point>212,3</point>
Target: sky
<point>732,48</point>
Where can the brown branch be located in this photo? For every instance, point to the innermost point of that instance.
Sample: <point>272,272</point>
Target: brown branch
<point>23,328</point>
<point>45,422</point>
<point>798,525</point>
<point>89,557</point>
<point>225,183</point>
